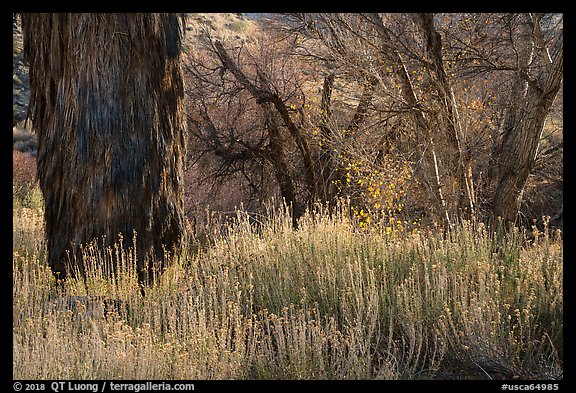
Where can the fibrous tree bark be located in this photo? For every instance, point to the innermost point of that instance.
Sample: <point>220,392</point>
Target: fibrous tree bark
<point>106,103</point>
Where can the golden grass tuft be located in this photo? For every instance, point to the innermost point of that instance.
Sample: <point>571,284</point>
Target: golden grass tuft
<point>326,301</point>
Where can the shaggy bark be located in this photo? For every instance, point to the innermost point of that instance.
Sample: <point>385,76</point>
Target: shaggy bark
<point>106,102</point>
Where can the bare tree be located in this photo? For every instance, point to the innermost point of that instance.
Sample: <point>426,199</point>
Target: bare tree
<point>416,75</point>
<point>460,185</point>
<point>453,95</point>
<point>538,78</point>
<point>367,49</point>
<point>518,59</point>
<point>238,72</point>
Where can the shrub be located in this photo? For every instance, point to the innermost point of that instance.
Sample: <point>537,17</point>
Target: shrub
<point>327,301</point>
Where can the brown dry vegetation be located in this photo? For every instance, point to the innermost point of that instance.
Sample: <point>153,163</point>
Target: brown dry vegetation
<point>23,168</point>
<point>326,301</point>
<point>379,115</point>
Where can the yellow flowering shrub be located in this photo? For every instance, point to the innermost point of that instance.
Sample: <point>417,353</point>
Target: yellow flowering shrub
<point>376,191</point>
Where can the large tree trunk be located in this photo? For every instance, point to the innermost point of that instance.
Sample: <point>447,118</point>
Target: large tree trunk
<point>531,100</point>
<point>106,102</point>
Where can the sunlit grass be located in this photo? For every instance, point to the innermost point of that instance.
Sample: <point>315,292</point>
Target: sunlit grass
<point>327,301</point>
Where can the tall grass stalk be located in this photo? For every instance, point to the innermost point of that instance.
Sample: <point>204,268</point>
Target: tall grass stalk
<point>327,301</point>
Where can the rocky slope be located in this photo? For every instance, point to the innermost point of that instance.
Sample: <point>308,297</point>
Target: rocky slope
<point>20,82</point>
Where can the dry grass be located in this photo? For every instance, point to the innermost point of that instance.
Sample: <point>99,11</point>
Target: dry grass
<point>327,301</point>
